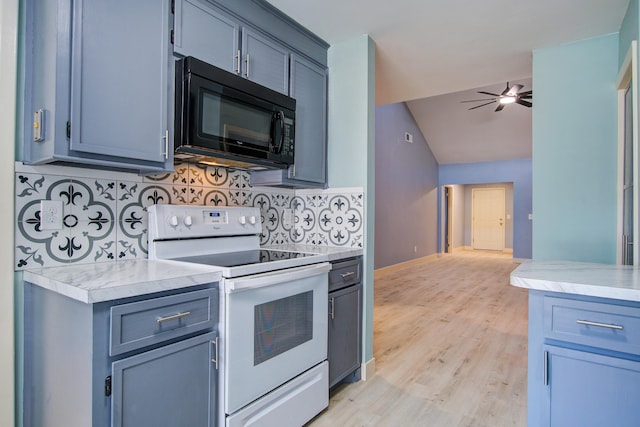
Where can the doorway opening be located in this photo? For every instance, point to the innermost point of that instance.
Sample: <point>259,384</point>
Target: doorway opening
<point>477,217</point>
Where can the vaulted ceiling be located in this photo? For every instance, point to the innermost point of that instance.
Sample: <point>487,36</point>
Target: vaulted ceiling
<point>429,48</point>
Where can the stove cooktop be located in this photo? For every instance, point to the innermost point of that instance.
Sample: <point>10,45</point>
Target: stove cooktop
<point>237,259</point>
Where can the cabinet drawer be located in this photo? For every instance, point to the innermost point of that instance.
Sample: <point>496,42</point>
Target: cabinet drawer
<point>596,324</point>
<point>344,274</point>
<point>149,322</point>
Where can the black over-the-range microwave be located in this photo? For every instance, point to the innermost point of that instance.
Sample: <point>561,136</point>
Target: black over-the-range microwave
<point>223,119</point>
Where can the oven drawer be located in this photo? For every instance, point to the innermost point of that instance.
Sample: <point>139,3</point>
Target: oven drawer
<point>596,324</point>
<point>291,405</point>
<point>344,274</point>
<point>139,324</point>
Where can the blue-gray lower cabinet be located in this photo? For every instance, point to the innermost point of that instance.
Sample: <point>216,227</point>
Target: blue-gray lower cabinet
<point>584,361</point>
<point>589,389</point>
<point>345,324</point>
<point>167,386</point>
<point>142,361</point>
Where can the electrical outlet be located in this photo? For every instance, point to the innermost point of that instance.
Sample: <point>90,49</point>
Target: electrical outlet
<point>287,219</point>
<point>50,214</point>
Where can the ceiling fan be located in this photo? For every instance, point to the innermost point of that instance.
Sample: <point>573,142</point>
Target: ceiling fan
<point>510,95</point>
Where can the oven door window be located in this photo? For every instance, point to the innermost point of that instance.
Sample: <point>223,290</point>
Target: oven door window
<point>282,325</point>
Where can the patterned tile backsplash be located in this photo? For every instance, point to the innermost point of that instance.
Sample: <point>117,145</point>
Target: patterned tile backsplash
<point>104,215</point>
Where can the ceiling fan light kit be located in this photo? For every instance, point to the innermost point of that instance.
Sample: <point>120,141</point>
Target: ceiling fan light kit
<point>511,95</point>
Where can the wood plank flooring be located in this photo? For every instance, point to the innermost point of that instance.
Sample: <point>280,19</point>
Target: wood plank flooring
<point>450,343</point>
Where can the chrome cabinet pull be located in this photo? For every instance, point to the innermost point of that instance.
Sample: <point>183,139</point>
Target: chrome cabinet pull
<point>345,275</point>
<point>237,58</point>
<point>215,360</point>
<point>600,325</point>
<point>332,312</point>
<point>173,317</point>
<point>166,144</point>
<point>545,368</point>
<point>247,67</point>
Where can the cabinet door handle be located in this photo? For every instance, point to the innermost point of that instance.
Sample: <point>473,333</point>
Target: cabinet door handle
<point>246,61</point>
<point>173,317</point>
<point>237,58</point>
<point>345,275</point>
<point>215,360</point>
<point>545,368</point>
<point>332,312</point>
<point>600,325</point>
<point>166,144</point>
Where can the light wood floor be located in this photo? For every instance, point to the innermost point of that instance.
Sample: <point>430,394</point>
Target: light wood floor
<point>450,343</point>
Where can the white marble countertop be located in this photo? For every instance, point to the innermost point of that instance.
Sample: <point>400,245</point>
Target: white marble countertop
<point>91,283</point>
<point>598,280</point>
<point>333,253</point>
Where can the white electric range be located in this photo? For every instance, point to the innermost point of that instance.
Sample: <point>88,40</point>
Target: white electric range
<point>273,307</point>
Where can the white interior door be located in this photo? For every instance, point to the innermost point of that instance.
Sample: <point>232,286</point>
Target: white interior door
<point>487,225</point>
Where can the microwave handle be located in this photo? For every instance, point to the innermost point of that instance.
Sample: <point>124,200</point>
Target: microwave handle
<point>277,132</point>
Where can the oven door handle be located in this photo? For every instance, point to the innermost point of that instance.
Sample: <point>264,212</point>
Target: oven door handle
<point>274,278</point>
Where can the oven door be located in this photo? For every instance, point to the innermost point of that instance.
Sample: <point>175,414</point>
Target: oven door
<point>275,329</point>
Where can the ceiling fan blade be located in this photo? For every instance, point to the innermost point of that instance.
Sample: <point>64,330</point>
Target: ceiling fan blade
<point>478,100</point>
<point>523,102</point>
<point>499,107</point>
<point>526,94</point>
<point>482,105</point>
<point>514,90</point>
<point>488,93</point>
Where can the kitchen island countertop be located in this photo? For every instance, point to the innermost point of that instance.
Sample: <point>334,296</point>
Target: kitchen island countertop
<point>92,283</point>
<point>590,279</point>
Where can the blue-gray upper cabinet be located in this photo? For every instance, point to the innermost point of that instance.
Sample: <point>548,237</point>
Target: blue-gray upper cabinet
<point>213,36</point>
<point>309,88</point>
<point>119,78</point>
<point>265,61</point>
<point>204,32</point>
<point>308,85</point>
<point>99,71</point>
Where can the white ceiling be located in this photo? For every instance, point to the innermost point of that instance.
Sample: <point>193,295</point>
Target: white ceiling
<point>426,48</point>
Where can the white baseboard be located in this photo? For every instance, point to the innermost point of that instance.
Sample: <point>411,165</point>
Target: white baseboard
<point>470,248</point>
<point>392,268</point>
<point>368,369</point>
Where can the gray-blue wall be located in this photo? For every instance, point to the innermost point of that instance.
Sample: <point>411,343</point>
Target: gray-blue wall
<point>406,189</point>
<point>518,172</point>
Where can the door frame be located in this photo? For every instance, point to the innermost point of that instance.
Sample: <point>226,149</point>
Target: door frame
<point>628,76</point>
<point>448,219</point>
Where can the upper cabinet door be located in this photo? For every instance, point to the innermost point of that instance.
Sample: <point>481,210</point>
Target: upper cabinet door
<point>203,32</point>
<point>265,61</point>
<point>309,88</point>
<point>119,78</point>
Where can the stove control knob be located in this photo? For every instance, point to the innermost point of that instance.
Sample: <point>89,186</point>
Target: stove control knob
<point>173,221</point>
<point>242,219</point>
<point>188,221</point>
<point>252,219</point>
